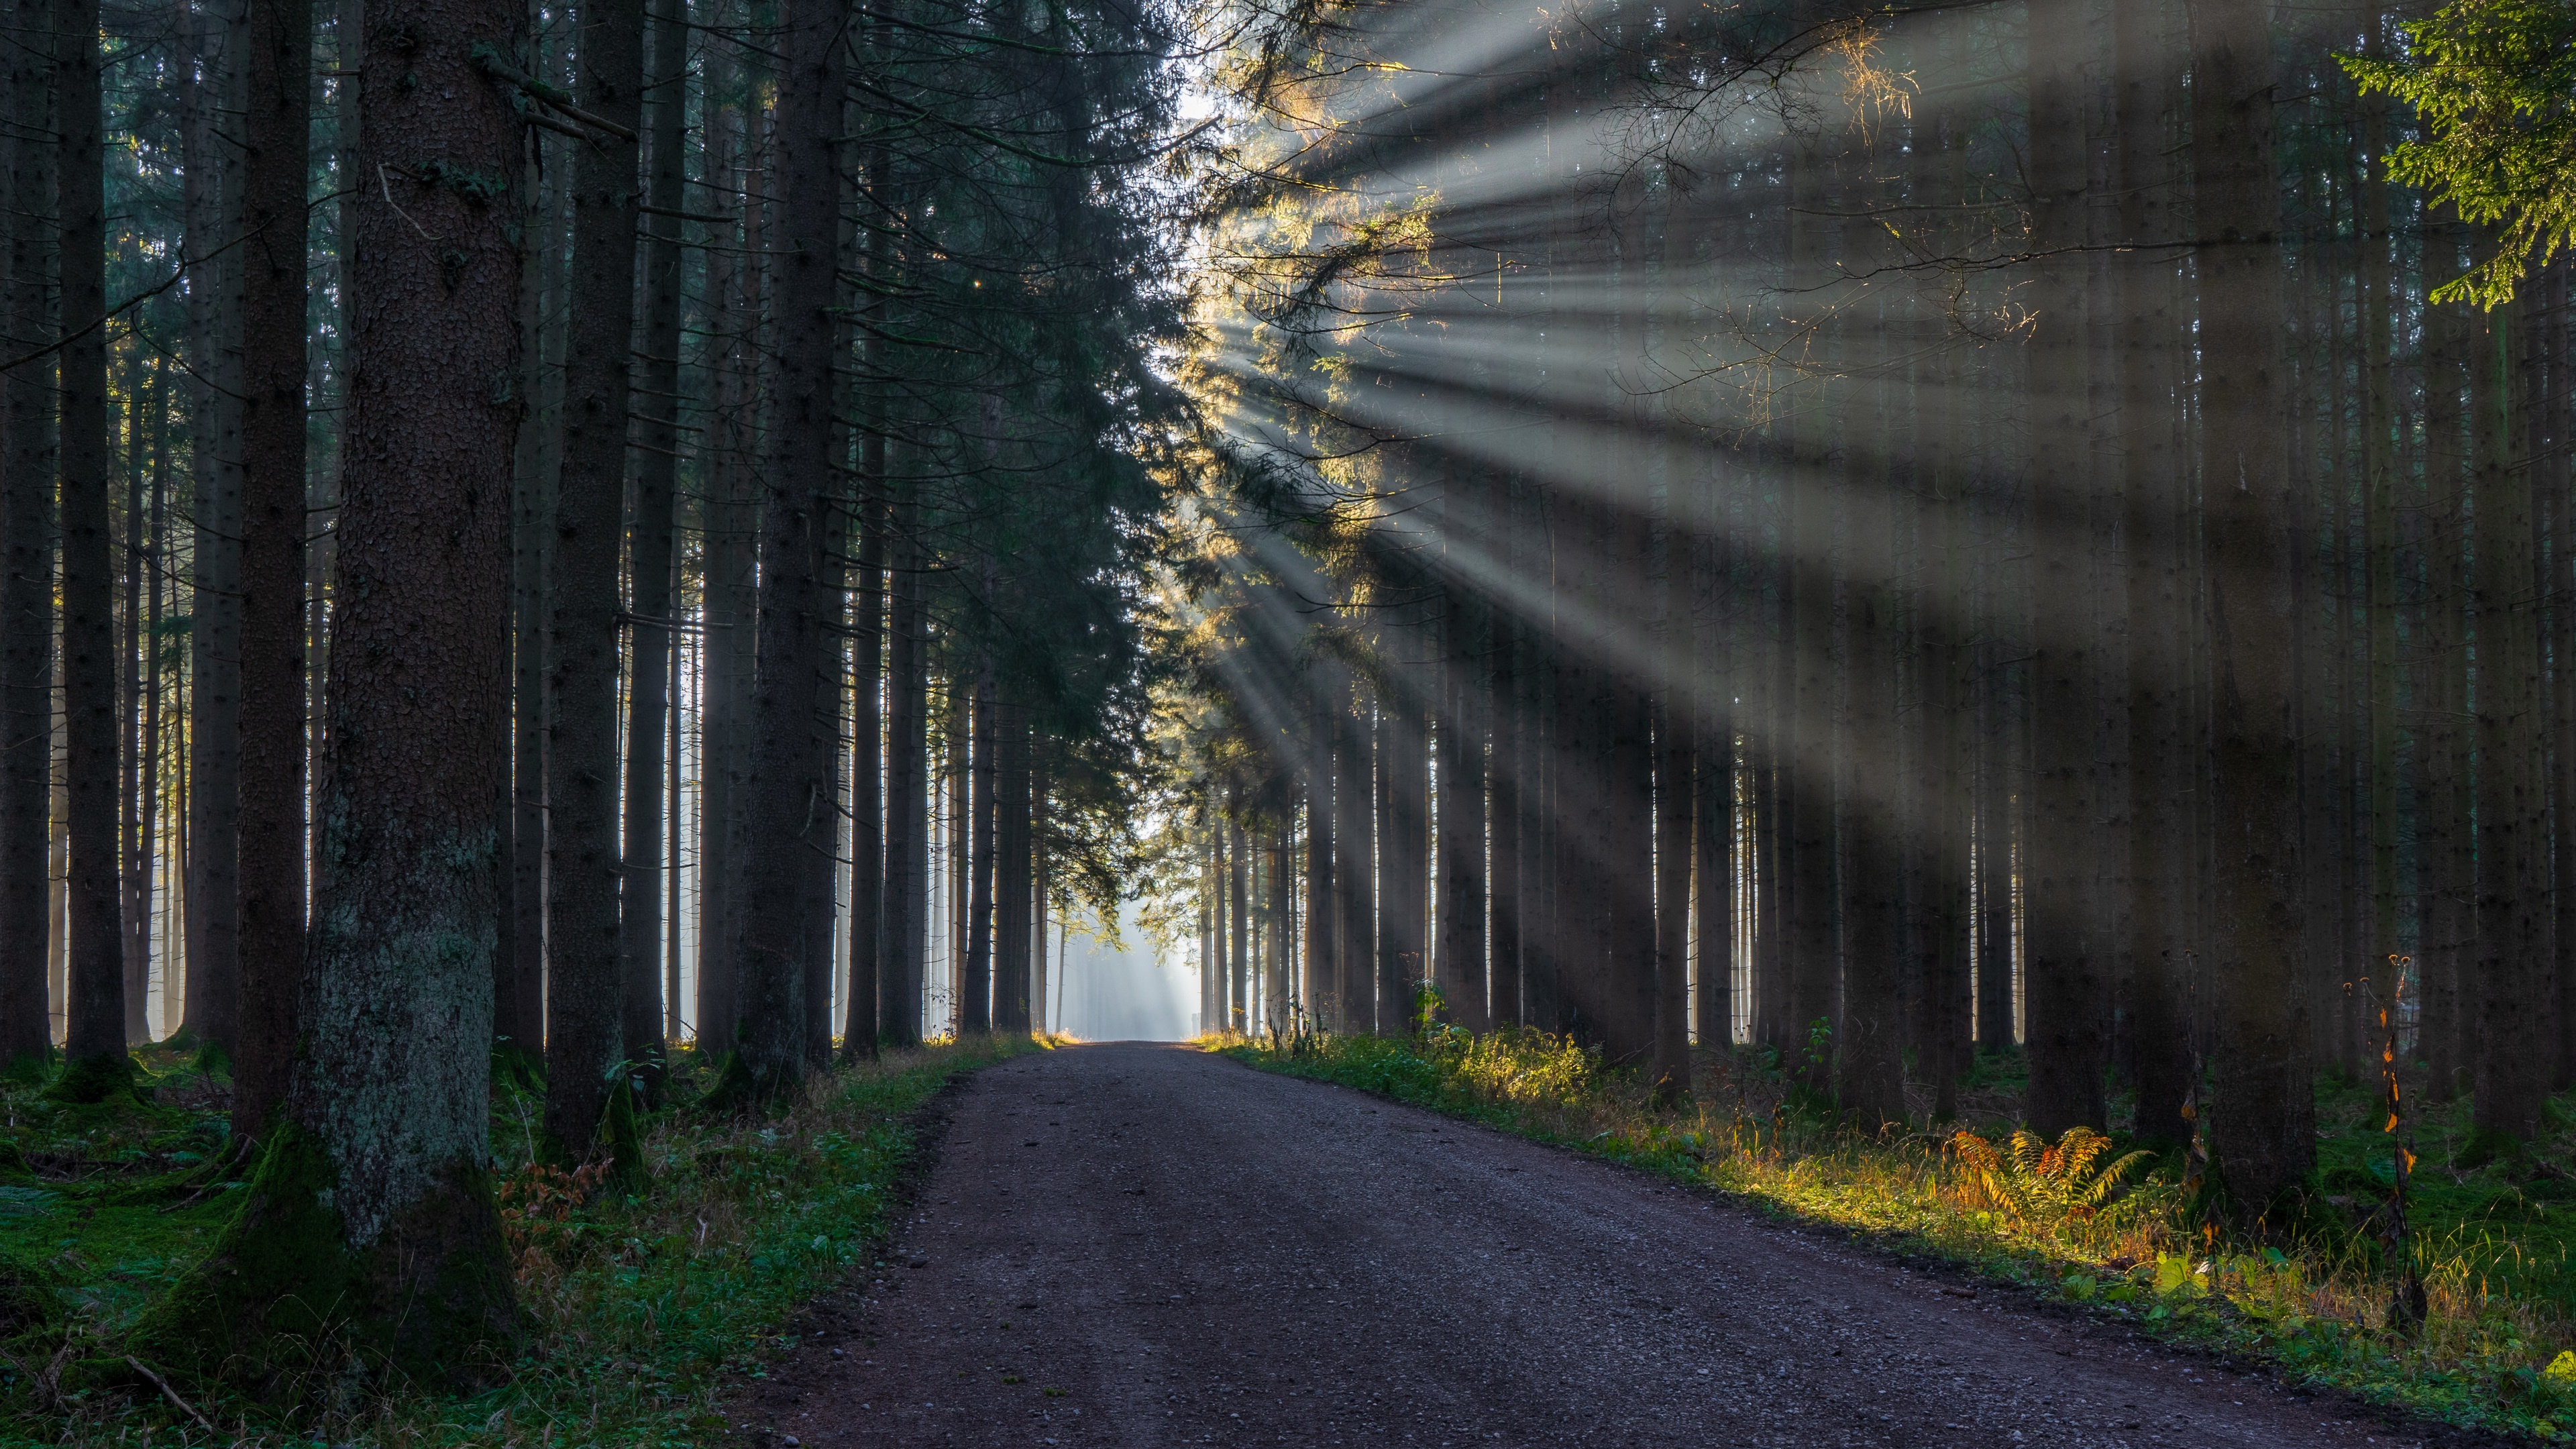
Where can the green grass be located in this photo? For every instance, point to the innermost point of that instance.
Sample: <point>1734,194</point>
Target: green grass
<point>635,1306</point>
<point>2491,1241</point>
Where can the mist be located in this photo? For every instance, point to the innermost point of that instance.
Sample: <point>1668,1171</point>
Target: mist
<point>1109,994</point>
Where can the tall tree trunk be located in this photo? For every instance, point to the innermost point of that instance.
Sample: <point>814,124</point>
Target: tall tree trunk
<point>975,998</point>
<point>907,810</point>
<point>2513,1070</point>
<point>2159,1027</point>
<point>1011,869</point>
<point>1504,776</point>
<point>585,977</point>
<point>134,953</point>
<point>272,556</point>
<point>148,850</point>
<point>1404,768</point>
<point>1805,749</point>
<point>1234,859</point>
<point>1460,865</point>
<point>1354,850</point>
<point>871,903</point>
<point>2063,999</point>
<point>871,906</point>
<point>1676,794</point>
<point>1322,956</point>
<point>519,984</point>
<point>27,546</point>
<point>2264,1128</point>
<point>374,1203</point>
<point>2445,933</point>
<point>97,923</point>
<point>214,635</point>
<point>1274,1006</point>
<point>1211,895</point>
<point>650,551</point>
<point>730,607</point>
<point>786,807</point>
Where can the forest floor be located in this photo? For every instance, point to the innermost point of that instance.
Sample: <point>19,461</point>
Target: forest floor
<point>634,1307</point>
<point>1126,1245</point>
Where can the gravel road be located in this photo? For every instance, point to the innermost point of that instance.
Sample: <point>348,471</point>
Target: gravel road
<point>1139,1245</point>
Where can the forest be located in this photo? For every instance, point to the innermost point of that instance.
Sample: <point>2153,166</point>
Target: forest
<point>582,578</point>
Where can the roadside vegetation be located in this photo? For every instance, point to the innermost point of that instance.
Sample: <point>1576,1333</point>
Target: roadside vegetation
<point>633,1307</point>
<point>2128,1230</point>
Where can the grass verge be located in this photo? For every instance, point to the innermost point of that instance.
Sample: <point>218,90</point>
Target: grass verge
<point>2490,1238</point>
<point>637,1306</point>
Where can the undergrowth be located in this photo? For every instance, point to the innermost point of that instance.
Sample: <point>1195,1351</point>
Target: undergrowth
<point>2086,1219</point>
<point>635,1306</point>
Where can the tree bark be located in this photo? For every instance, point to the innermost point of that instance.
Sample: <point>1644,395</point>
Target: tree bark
<point>731,611</point>
<point>975,996</point>
<point>1011,881</point>
<point>1460,862</point>
<point>519,984</point>
<point>586,979</point>
<point>2063,996</point>
<point>2512,819</point>
<point>786,809</point>
<point>2159,1027</point>
<point>870,902</point>
<point>214,635</point>
<point>271,911</point>
<point>27,545</point>
<point>650,550</point>
<point>374,1203</point>
<point>1322,958</point>
<point>96,1030</point>
<point>2264,1127</point>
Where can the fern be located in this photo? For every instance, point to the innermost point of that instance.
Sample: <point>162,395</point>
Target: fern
<point>2039,1187</point>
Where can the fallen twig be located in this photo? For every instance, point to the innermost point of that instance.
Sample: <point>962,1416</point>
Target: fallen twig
<point>172,1395</point>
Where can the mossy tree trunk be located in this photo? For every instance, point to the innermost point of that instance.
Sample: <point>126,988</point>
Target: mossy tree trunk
<point>372,1210</point>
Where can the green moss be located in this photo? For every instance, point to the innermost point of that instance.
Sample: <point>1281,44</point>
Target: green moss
<point>27,1069</point>
<point>283,1295</point>
<point>94,1079</point>
<point>31,1296</point>
<point>211,1059</point>
<point>2487,1145</point>
<point>734,1089</point>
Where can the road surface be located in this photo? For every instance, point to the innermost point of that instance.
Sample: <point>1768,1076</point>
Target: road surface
<point>1128,1246</point>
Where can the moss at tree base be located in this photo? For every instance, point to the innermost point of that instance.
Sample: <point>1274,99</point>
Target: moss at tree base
<point>283,1295</point>
<point>734,1089</point>
<point>92,1080</point>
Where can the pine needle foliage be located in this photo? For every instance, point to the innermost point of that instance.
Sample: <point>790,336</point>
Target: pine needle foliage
<point>2494,84</point>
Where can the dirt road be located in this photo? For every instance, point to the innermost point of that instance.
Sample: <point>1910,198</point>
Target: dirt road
<point>1132,1246</point>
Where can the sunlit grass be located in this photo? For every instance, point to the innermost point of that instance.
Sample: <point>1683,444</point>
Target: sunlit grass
<point>2313,1301</point>
<point>635,1307</point>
